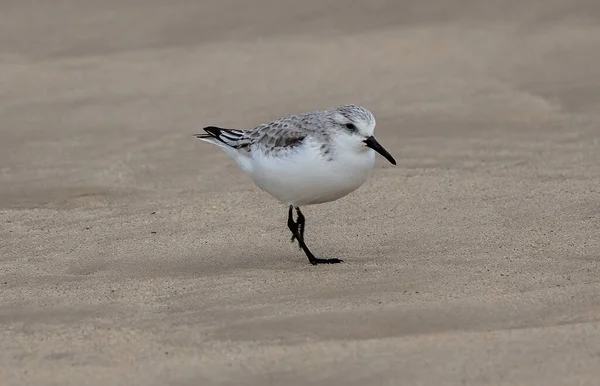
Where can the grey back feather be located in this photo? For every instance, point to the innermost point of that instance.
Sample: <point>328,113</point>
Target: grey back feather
<point>287,132</point>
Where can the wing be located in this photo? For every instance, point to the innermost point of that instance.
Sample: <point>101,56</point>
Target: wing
<point>269,137</point>
<point>229,137</point>
<point>275,137</point>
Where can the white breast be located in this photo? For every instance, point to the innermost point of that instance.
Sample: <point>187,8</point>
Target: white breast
<point>302,176</point>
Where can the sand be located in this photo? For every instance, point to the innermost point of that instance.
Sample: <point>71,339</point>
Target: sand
<point>133,254</point>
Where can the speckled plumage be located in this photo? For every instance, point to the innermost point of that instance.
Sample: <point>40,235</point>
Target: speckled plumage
<point>285,133</point>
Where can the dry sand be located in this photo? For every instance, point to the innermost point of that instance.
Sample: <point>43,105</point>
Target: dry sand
<point>133,254</point>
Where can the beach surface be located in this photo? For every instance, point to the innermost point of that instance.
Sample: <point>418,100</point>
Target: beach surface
<point>133,254</point>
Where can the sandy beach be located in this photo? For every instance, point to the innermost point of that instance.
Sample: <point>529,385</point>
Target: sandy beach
<point>133,254</point>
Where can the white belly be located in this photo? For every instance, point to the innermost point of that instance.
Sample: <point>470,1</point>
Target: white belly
<point>304,177</point>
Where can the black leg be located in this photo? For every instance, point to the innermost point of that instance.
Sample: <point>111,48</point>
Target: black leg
<point>300,221</point>
<point>295,224</point>
<point>297,228</point>
<point>299,224</point>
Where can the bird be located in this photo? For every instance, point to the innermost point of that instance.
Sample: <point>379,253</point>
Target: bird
<point>304,159</point>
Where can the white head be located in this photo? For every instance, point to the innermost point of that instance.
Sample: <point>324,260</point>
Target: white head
<point>353,127</point>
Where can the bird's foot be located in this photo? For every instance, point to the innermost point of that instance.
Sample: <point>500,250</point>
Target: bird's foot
<point>316,261</point>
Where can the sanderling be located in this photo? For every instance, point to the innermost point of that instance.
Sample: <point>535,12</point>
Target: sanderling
<point>305,159</point>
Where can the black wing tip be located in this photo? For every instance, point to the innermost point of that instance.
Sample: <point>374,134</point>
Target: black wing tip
<point>213,131</point>
<point>229,137</point>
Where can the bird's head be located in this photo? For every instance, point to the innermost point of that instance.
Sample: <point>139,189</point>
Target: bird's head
<point>354,127</point>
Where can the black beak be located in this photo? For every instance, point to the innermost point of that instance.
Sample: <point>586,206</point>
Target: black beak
<point>373,144</point>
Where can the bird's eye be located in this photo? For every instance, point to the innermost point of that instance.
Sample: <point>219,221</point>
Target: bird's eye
<point>351,127</point>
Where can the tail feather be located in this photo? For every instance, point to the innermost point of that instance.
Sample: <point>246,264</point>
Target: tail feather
<point>232,142</point>
<point>219,136</point>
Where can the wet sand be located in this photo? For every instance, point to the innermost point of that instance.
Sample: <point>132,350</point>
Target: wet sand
<point>133,254</point>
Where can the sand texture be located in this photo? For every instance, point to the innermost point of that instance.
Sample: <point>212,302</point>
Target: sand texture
<point>133,254</point>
